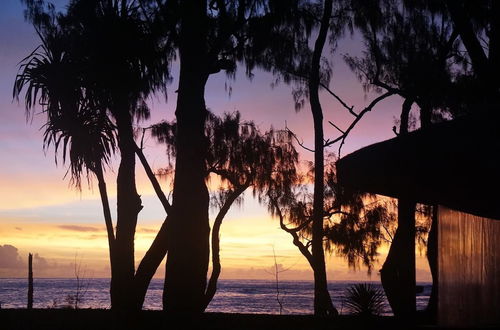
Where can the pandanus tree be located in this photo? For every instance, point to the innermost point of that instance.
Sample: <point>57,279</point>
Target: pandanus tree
<point>74,123</point>
<point>96,66</point>
<point>125,67</point>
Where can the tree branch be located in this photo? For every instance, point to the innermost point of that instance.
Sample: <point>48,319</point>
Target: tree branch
<point>225,174</point>
<point>296,240</point>
<point>343,137</point>
<point>349,108</point>
<point>300,143</point>
<point>300,227</point>
<point>464,26</point>
<point>338,128</point>
<point>216,266</point>
<point>150,263</point>
<point>154,181</point>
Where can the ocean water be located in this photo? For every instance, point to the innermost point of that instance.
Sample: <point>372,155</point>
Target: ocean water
<point>233,296</point>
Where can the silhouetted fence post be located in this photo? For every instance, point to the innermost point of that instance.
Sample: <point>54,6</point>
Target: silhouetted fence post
<point>30,281</point>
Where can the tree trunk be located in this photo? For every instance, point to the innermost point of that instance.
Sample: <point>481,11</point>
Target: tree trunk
<point>158,249</point>
<point>322,302</point>
<point>128,208</point>
<point>106,211</point>
<point>398,272</point>
<point>405,117</point>
<point>216,266</point>
<point>108,221</point>
<point>432,253</point>
<point>432,258</point>
<point>188,234</point>
<point>463,24</point>
<point>150,263</point>
<point>30,281</point>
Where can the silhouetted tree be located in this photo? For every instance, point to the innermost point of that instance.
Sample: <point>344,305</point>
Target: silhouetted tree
<point>408,52</point>
<point>477,24</point>
<point>96,66</point>
<point>353,224</point>
<point>210,36</point>
<point>311,73</point>
<point>242,158</point>
<point>111,38</point>
<point>415,48</point>
<point>74,124</point>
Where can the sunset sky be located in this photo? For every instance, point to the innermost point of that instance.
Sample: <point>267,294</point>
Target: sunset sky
<point>42,214</point>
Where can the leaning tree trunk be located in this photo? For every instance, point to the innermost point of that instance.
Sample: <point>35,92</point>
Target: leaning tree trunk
<point>128,208</point>
<point>432,253</point>
<point>322,302</point>
<point>158,249</point>
<point>109,223</point>
<point>149,264</point>
<point>103,192</point>
<point>216,265</point>
<point>188,232</point>
<point>398,272</point>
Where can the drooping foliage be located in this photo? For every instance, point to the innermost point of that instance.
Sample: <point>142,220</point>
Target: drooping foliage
<point>52,77</point>
<point>354,224</point>
<point>240,154</point>
<point>242,158</point>
<point>440,54</point>
<point>87,59</point>
<point>409,50</point>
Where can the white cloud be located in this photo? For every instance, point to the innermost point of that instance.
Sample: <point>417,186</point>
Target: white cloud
<point>9,257</point>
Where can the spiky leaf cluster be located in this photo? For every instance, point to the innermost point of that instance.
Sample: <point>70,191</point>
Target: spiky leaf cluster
<point>364,299</point>
<point>98,58</point>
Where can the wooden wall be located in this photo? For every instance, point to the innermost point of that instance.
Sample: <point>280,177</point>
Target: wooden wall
<point>468,269</point>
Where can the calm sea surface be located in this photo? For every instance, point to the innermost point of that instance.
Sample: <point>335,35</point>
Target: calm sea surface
<point>233,296</point>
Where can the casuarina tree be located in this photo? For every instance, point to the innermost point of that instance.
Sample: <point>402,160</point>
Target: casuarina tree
<point>240,157</point>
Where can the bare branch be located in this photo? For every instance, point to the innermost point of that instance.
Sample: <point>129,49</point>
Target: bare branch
<point>377,82</point>
<point>299,142</point>
<point>296,240</point>
<point>391,238</point>
<point>343,137</point>
<point>142,137</point>
<point>338,128</point>
<point>349,108</point>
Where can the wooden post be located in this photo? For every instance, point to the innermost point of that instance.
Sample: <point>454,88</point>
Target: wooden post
<point>30,281</point>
